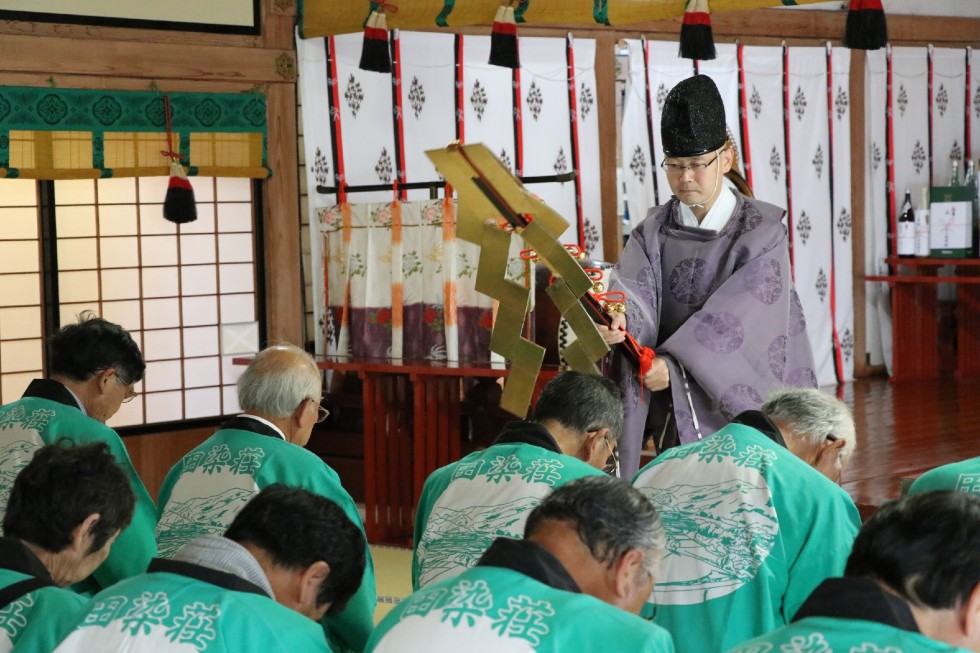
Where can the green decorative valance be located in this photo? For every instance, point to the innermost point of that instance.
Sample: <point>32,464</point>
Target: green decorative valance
<point>52,133</point>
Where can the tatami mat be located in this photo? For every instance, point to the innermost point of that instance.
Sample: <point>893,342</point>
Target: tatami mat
<point>393,575</point>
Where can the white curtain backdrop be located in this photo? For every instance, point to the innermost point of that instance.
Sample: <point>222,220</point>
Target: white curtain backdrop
<point>427,86</point>
<point>842,215</point>
<point>948,113</point>
<point>910,117</point>
<point>763,72</point>
<point>318,148</point>
<point>587,117</point>
<point>544,124</point>
<point>875,218</point>
<point>812,214</point>
<point>637,161</point>
<point>974,106</point>
<point>723,70</point>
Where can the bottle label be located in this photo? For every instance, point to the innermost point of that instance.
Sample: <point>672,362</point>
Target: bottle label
<point>906,238</point>
<point>922,233</point>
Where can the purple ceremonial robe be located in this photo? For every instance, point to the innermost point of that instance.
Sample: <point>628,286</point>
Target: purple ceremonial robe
<point>719,308</point>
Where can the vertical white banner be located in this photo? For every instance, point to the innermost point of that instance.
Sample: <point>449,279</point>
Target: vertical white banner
<point>809,161</point>
<point>428,101</point>
<point>488,105</point>
<point>587,115</point>
<point>763,73</point>
<point>842,215</point>
<point>877,304</point>
<point>948,117</point>
<point>318,151</point>
<point>974,103</point>
<point>637,160</point>
<point>545,125</point>
<point>665,69</point>
<point>910,122</point>
<point>723,70</point>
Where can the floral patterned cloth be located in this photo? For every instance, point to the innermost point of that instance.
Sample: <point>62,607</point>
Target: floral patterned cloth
<point>400,285</point>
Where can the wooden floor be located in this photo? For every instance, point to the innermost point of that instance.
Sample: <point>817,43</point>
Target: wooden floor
<point>905,429</point>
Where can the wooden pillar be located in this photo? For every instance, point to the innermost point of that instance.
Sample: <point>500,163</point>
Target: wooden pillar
<point>605,81</point>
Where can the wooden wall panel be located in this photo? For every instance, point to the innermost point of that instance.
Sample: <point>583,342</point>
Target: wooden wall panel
<point>153,455</point>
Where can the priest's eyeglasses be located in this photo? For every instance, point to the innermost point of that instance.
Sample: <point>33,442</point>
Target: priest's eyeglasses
<point>681,168</point>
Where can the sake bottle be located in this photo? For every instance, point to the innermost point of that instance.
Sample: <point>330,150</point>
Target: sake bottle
<point>922,225</point>
<point>906,227</point>
<point>954,175</point>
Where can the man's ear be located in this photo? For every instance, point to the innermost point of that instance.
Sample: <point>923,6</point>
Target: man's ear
<point>81,535</point>
<point>311,579</point>
<point>630,564</point>
<point>970,617</point>
<point>595,447</point>
<point>103,378</point>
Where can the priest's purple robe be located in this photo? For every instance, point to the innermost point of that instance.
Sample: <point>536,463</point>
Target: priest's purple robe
<point>720,309</point>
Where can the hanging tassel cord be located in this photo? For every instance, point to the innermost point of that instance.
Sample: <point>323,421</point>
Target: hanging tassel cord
<point>170,153</point>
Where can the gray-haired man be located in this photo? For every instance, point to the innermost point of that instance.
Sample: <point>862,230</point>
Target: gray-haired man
<point>280,394</point>
<point>576,581</point>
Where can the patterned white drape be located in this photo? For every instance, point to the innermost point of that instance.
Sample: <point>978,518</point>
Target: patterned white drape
<point>811,214</point>
<point>843,265</point>
<point>365,129</point>
<point>723,70</point>
<point>638,165</point>
<point>764,137</point>
<point>973,108</point>
<point>948,83</point>
<point>877,298</point>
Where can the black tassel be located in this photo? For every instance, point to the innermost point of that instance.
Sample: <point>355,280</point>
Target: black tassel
<point>697,41</point>
<point>866,27</point>
<point>179,205</point>
<point>374,54</point>
<point>503,39</point>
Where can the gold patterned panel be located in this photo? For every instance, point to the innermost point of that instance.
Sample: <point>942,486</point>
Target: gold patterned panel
<point>329,17</point>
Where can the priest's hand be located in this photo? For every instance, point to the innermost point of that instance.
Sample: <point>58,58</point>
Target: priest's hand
<point>615,333</point>
<point>658,377</point>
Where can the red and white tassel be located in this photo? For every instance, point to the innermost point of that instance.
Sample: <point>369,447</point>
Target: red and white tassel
<point>697,42</point>
<point>866,27</point>
<point>503,39</point>
<point>178,204</point>
<point>375,55</point>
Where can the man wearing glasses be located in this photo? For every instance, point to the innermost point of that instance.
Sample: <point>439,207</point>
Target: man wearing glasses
<point>279,393</point>
<point>93,366</point>
<point>708,286</point>
<point>488,494</point>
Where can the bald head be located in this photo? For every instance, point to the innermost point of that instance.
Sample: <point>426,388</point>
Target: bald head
<point>277,381</point>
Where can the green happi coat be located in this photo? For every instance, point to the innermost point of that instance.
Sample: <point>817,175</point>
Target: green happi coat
<point>185,608</point>
<point>498,609</point>
<point>751,530</point>
<point>487,494</point>
<point>37,620</point>
<point>963,476</point>
<point>849,615</point>
<point>48,413</point>
<point>205,490</point>
<point>827,635</point>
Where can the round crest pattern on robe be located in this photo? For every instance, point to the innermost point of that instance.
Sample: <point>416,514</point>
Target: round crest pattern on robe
<point>721,333</point>
<point>738,398</point>
<point>746,220</point>
<point>802,377</point>
<point>777,356</point>
<point>688,282</point>
<point>764,280</point>
<point>797,321</point>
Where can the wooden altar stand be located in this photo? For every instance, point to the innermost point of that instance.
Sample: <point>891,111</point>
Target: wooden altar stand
<point>412,411</point>
<point>914,316</point>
